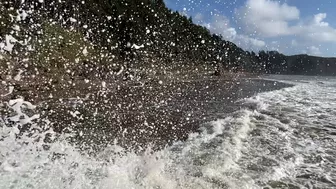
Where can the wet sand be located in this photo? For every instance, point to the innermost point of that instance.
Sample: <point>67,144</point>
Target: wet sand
<point>137,114</point>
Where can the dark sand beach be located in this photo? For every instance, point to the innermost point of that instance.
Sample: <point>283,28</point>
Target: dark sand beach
<point>135,114</point>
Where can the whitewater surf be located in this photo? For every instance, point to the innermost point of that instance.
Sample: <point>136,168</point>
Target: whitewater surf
<point>278,139</point>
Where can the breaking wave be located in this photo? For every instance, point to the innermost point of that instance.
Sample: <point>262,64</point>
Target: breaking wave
<point>283,138</point>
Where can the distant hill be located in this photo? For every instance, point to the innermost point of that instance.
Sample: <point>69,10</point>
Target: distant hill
<point>276,63</point>
<point>311,65</point>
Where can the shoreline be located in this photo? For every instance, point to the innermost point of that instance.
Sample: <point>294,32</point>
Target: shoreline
<point>156,113</point>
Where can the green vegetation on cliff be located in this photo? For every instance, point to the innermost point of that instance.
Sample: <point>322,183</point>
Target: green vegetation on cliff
<point>107,35</point>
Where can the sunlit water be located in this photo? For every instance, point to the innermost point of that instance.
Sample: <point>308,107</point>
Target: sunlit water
<point>279,139</point>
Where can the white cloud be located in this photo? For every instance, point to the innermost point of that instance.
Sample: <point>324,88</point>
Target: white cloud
<point>229,33</point>
<point>248,42</point>
<point>198,18</point>
<point>268,18</point>
<point>318,18</point>
<point>313,50</point>
<point>264,21</point>
<point>318,30</point>
<point>294,42</point>
<point>220,24</point>
<point>271,20</point>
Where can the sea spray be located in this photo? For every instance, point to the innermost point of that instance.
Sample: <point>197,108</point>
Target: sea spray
<point>29,162</point>
<point>281,138</point>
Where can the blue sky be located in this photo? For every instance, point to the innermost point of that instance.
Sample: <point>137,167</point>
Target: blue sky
<point>288,26</point>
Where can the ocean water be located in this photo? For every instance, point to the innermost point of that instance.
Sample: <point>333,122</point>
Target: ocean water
<point>279,139</point>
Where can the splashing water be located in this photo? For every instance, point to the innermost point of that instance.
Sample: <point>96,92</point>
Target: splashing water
<point>274,142</point>
<point>29,162</point>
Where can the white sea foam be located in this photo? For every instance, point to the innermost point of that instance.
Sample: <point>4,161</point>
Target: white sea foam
<point>208,159</point>
<point>282,137</point>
